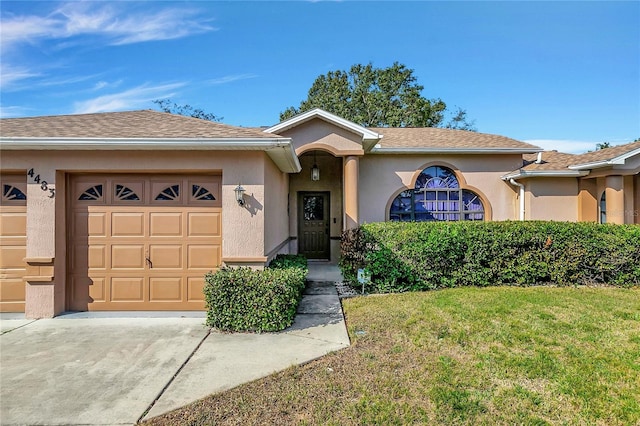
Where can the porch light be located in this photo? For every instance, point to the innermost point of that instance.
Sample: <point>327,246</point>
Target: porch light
<point>315,172</point>
<point>239,194</point>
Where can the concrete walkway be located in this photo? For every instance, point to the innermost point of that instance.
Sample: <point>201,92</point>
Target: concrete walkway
<point>116,368</point>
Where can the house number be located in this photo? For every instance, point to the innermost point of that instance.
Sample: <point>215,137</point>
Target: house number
<point>44,185</point>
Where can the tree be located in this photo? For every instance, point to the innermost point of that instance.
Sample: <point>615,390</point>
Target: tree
<point>603,145</point>
<point>378,97</point>
<point>166,105</point>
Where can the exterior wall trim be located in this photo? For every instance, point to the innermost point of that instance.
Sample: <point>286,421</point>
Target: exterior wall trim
<point>453,151</point>
<point>280,150</point>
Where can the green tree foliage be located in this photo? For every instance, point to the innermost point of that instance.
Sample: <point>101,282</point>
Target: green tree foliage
<point>166,105</point>
<point>379,97</point>
<point>603,145</point>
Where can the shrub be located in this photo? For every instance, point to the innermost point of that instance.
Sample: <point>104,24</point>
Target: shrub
<point>427,255</point>
<point>243,299</point>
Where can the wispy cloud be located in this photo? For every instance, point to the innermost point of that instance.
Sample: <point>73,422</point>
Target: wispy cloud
<point>113,21</point>
<point>137,97</point>
<point>230,78</point>
<point>90,24</point>
<point>9,75</point>
<point>12,111</point>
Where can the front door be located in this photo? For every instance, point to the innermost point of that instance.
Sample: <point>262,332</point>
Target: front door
<point>313,225</point>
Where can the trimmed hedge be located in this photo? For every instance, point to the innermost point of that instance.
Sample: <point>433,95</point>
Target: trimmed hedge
<point>403,256</point>
<point>244,299</point>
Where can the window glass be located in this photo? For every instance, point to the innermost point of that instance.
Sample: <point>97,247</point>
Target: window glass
<point>436,196</point>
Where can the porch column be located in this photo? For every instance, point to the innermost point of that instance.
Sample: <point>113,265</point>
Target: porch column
<point>351,191</point>
<point>615,199</point>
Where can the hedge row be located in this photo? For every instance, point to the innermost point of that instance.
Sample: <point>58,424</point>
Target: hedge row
<point>429,255</point>
<point>243,299</point>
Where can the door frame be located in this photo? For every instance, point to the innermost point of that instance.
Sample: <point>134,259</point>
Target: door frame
<point>327,221</point>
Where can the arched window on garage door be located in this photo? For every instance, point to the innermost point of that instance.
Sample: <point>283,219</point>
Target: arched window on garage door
<point>437,196</point>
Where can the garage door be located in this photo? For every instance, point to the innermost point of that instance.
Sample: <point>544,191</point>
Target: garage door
<point>13,239</point>
<point>142,243</point>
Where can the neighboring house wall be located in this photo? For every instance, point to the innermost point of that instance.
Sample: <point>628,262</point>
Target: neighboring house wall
<point>552,199</point>
<point>383,177</point>
<point>276,216</point>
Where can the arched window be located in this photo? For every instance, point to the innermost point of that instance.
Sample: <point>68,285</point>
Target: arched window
<point>603,207</point>
<point>436,196</point>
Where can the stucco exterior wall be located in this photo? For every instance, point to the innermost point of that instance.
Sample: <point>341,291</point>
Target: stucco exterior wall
<point>551,199</point>
<point>318,134</point>
<point>587,200</point>
<point>276,215</point>
<point>242,227</point>
<point>382,177</point>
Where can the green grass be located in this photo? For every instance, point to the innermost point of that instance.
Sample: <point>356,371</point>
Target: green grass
<point>467,356</point>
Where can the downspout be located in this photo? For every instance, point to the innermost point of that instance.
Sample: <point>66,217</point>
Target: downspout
<point>513,182</point>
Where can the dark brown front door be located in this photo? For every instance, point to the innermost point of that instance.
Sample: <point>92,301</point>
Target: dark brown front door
<point>313,225</point>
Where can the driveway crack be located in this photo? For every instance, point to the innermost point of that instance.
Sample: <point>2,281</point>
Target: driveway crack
<point>186,361</point>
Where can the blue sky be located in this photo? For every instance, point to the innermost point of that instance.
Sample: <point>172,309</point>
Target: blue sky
<point>564,75</point>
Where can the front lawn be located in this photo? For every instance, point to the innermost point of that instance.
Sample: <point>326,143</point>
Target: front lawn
<point>501,355</point>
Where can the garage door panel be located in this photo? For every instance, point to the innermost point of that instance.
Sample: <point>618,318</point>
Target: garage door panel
<point>129,256</point>
<point>12,257</point>
<point>127,289</point>
<point>13,224</point>
<point>203,256</point>
<point>165,224</point>
<point>204,224</point>
<point>89,224</point>
<point>165,289</point>
<point>12,290</point>
<point>166,256</point>
<point>127,224</point>
<point>88,257</point>
<point>195,289</point>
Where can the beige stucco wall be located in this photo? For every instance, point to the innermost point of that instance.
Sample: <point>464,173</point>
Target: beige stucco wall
<point>382,177</point>
<point>551,199</point>
<point>276,216</point>
<point>587,200</point>
<point>242,227</point>
<point>318,134</point>
<point>330,181</point>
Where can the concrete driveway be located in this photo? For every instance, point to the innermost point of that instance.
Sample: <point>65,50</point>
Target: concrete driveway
<point>110,369</point>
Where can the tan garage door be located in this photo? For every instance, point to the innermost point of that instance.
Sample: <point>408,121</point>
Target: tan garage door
<point>13,240</point>
<point>142,243</point>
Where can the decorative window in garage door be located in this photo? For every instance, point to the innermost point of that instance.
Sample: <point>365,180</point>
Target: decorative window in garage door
<point>170,193</point>
<point>12,193</point>
<point>437,196</point>
<point>124,193</point>
<point>93,193</point>
<point>201,193</point>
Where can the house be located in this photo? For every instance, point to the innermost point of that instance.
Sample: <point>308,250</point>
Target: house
<point>129,210</point>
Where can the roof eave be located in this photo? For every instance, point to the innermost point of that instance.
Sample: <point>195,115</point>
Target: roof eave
<point>280,150</point>
<point>619,160</point>
<point>523,174</point>
<point>455,150</point>
<point>366,134</point>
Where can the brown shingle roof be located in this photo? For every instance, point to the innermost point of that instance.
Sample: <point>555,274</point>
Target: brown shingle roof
<point>127,125</point>
<point>553,160</point>
<point>607,153</point>
<point>431,137</point>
